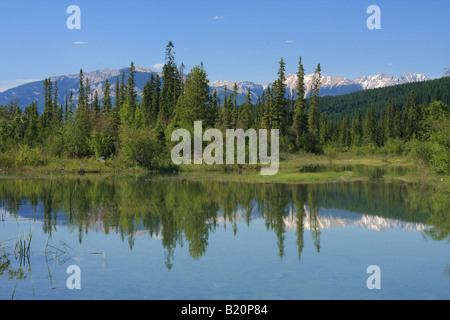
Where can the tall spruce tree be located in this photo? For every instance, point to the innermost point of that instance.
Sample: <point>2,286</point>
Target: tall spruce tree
<point>389,121</point>
<point>118,98</point>
<point>107,106</point>
<point>88,94</point>
<point>246,113</point>
<point>300,117</point>
<point>280,106</point>
<point>313,119</point>
<point>214,110</point>
<point>370,126</point>
<point>81,91</point>
<point>96,103</point>
<point>194,103</point>
<point>47,115</point>
<point>171,87</point>
<point>131,95</point>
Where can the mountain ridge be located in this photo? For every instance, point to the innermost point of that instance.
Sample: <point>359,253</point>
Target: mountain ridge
<point>330,86</point>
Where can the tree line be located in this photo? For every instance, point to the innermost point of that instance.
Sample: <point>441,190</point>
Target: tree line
<point>187,212</point>
<point>139,131</point>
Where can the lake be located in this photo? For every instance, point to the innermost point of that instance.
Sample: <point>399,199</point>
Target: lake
<point>170,238</point>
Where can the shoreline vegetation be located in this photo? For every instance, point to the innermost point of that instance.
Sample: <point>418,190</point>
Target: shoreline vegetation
<point>299,168</point>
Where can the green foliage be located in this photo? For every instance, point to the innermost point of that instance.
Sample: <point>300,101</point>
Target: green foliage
<point>137,146</point>
<point>102,144</point>
<point>394,146</point>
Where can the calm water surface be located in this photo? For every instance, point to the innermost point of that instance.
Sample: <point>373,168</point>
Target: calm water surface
<point>137,238</point>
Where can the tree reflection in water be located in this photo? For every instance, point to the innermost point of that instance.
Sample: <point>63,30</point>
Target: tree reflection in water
<point>181,211</point>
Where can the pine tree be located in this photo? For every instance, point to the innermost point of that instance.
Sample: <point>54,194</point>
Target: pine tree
<point>55,96</point>
<point>268,106</point>
<point>32,119</point>
<point>71,106</point>
<point>214,110</point>
<point>398,124</point>
<point>323,128</point>
<point>370,126</point>
<point>131,94</point>
<point>96,103</point>
<point>171,87</point>
<point>139,116</point>
<point>412,117</point>
<point>88,94</point>
<point>313,119</point>
<point>118,99</point>
<point>194,103</point>
<point>389,121</point>
<point>344,132</point>
<point>146,100</point>
<point>47,115</point>
<point>224,112</point>
<point>57,119</point>
<point>246,114</point>
<point>81,92</point>
<point>357,130</point>
<point>381,131</point>
<point>66,108</point>
<point>234,107</point>
<point>122,90</point>
<point>300,117</point>
<point>107,106</point>
<point>279,111</point>
<point>155,103</point>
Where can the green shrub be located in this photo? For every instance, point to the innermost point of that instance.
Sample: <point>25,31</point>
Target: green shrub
<point>102,144</point>
<point>394,146</point>
<point>137,146</point>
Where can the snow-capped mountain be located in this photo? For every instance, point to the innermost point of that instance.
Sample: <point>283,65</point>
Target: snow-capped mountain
<point>385,80</point>
<point>330,86</point>
<point>256,89</point>
<point>333,86</point>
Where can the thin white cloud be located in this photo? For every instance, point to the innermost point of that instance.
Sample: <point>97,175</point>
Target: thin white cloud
<point>218,17</point>
<point>289,41</point>
<point>158,66</point>
<point>80,42</point>
<point>390,64</point>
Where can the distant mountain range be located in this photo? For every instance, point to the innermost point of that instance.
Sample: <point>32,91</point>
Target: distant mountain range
<point>330,86</point>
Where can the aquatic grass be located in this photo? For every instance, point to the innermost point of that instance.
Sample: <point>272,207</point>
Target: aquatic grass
<point>22,252</point>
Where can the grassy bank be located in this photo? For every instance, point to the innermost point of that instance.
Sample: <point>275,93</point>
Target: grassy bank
<point>307,168</point>
<point>321,168</point>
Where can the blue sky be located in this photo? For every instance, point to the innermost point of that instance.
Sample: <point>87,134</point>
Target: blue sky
<point>235,40</point>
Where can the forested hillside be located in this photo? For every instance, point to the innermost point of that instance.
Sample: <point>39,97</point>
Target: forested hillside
<point>350,104</point>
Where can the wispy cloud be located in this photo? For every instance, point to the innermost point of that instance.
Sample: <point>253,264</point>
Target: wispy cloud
<point>390,64</point>
<point>289,41</point>
<point>218,17</point>
<point>8,84</point>
<point>79,42</point>
<point>158,66</point>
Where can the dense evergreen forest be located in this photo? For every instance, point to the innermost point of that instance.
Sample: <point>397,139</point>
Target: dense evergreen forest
<point>411,119</point>
<point>350,104</point>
